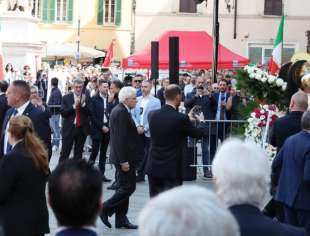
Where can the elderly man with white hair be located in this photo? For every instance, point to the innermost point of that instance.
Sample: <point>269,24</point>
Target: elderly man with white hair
<point>242,178</point>
<point>123,154</point>
<point>188,211</point>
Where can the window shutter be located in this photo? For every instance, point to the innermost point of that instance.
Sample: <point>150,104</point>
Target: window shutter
<point>70,11</point>
<point>51,11</point>
<point>45,11</point>
<point>100,12</point>
<point>118,12</point>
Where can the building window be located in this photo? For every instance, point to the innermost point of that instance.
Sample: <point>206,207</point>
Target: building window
<point>57,11</point>
<point>109,12</point>
<point>37,8</point>
<point>261,54</point>
<point>188,6</point>
<point>273,7</point>
<point>61,11</point>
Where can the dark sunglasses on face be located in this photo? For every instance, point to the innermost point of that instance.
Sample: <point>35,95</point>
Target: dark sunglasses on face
<point>137,81</point>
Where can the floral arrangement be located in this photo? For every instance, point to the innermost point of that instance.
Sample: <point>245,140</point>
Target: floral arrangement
<point>257,124</point>
<point>266,88</point>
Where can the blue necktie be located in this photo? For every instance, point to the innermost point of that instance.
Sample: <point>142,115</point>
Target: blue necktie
<point>8,145</point>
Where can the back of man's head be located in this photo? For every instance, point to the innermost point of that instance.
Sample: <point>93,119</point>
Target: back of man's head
<point>3,86</point>
<point>172,91</point>
<point>74,190</point>
<point>299,101</point>
<point>187,210</point>
<point>305,121</point>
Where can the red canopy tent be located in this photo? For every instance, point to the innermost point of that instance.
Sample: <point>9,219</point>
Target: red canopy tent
<point>195,53</point>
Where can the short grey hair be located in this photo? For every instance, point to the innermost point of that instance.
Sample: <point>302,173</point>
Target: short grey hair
<point>33,87</point>
<point>125,93</point>
<point>305,120</point>
<point>78,80</point>
<point>242,173</point>
<point>187,210</point>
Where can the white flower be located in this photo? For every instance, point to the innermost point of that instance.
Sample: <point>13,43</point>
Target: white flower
<point>284,86</point>
<point>264,79</point>
<point>262,117</point>
<point>265,107</point>
<point>253,114</point>
<point>250,69</point>
<point>252,75</point>
<point>258,76</point>
<point>271,79</point>
<point>279,82</point>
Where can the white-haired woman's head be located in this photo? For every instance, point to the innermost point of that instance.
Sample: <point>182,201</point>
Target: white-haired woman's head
<point>187,210</point>
<point>242,173</point>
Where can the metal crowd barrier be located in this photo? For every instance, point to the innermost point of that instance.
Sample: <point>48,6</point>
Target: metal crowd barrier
<point>218,131</point>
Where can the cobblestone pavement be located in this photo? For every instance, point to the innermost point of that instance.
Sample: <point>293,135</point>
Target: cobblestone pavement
<point>137,201</point>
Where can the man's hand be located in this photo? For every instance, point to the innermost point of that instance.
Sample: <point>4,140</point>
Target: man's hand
<point>125,167</point>
<point>140,130</point>
<point>105,129</point>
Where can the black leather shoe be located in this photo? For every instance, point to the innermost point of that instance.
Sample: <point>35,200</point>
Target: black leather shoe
<point>112,186</point>
<point>105,219</point>
<point>126,225</point>
<point>139,179</point>
<point>105,179</point>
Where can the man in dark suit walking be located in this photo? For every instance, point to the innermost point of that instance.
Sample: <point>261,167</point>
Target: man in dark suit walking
<point>294,180</point>
<point>3,101</point>
<point>169,130</point>
<point>75,111</point>
<point>18,95</point>
<point>100,127</point>
<point>283,128</point>
<point>289,124</point>
<point>123,154</point>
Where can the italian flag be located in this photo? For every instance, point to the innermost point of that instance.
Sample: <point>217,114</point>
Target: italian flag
<point>1,63</point>
<point>276,58</point>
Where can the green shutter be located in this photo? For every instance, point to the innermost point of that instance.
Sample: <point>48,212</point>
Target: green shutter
<point>48,12</point>
<point>100,12</point>
<point>70,11</point>
<point>118,12</point>
<point>45,10</point>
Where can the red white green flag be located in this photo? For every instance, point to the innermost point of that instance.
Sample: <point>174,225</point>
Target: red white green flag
<point>276,58</point>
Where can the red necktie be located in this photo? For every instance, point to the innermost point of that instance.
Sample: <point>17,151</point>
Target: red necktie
<point>78,115</point>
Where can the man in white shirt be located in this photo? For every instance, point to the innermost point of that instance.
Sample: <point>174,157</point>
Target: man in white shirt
<point>145,104</point>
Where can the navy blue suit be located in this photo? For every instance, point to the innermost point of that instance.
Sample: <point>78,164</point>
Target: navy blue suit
<point>76,232</point>
<point>40,120</point>
<point>99,139</point>
<point>253,223</point>
<point>3,108</point>
<point>294,181</point>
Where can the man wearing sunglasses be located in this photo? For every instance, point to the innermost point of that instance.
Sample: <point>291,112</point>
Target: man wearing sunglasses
<point>136,83</point>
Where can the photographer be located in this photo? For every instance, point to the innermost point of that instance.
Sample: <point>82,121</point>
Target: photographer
<point>234,102</point>
<point>202,101</point>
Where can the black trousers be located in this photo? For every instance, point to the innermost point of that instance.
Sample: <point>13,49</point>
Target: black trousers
<point>119,202</point>
<point>103,144</point>
<point>78,138</point>
<point>158,185</point>
<point>145,142</point>
<point>296,217</point>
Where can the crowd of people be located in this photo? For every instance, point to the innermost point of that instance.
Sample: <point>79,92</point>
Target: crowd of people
<point>146,133</point>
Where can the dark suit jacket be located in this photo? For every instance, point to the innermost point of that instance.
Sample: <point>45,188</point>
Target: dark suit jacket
<point>40,120</point>
<point>98,108</point>
<point>68,114</point>
<point>160,96</point>
<point>3,108</point>
<point>169,130</point>
<point>285,127</point>
<point>76,232</point>
<point>294,162</point>
<point>123,137</point>
<point>253,223</point>
<point>216,98</point>
<point>23,209</point>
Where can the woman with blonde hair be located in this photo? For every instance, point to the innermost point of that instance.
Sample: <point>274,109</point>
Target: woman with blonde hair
<point>23,176</point>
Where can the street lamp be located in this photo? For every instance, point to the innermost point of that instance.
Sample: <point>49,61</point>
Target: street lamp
<point>216,27</point>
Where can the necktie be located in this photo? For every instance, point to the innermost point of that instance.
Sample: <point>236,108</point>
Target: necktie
<point>78,115</point>
<point>8,145</point>
<point>222,114</point>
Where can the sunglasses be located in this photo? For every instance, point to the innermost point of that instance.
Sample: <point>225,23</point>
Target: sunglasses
<point>137,81</point>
